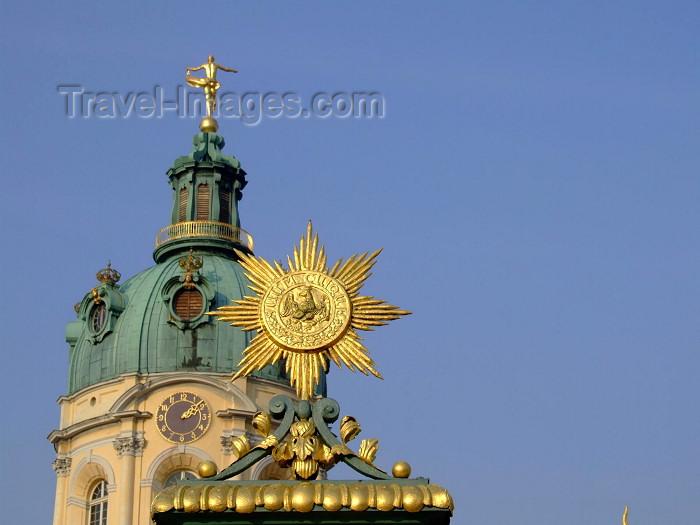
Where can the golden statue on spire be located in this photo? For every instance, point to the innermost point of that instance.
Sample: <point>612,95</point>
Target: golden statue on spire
<point>210,86</point>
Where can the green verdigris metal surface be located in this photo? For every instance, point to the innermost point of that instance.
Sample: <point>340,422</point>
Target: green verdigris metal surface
<point>141,333</point>
<point>145,339</point>
<point>207,147</point>
<point>206,164</point>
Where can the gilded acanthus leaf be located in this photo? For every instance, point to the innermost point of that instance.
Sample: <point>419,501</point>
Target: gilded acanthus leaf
<point>340,450</point>
<point>368,450</point>
<point>269,442</point>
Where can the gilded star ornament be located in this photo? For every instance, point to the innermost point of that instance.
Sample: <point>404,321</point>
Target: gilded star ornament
<point>307,314</point>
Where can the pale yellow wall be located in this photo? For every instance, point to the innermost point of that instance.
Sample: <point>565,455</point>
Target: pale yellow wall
<point>122,412</point>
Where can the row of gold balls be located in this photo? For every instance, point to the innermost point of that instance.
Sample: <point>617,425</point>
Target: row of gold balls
<point>207,469</point>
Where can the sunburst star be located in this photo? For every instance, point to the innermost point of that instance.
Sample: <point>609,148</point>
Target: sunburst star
<point>307,314</point>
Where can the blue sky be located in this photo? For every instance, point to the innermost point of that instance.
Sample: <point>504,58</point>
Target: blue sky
<point>534,182</point>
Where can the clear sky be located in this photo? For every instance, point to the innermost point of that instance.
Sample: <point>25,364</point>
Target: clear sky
<point>534,181</point>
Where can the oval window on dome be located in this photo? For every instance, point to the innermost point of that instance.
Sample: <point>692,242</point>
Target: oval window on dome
<point>188,304</point>
<point>98,318</point>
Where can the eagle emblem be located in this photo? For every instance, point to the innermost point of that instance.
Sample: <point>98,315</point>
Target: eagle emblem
<point>306,309</point>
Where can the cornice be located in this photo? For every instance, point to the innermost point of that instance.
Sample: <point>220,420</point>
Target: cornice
<point>96,386</point>
<point>108,419</point>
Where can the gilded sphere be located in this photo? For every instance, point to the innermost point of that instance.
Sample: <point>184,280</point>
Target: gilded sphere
<point>207,469</point>
<point>401,469</point>
<point>209,124</point>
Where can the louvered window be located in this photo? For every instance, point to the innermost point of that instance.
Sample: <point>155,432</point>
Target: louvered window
<point>188,304</point>
<point>182,206</point>
<point>225,205</point>
<point>203,198</point>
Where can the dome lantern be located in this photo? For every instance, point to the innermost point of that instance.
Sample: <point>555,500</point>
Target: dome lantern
<point>207,186</point>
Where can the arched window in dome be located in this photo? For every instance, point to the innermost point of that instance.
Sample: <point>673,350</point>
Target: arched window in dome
<point>177,476</point>
<point>98,504</point>
<point>188,303</point>
<point>203,202</point>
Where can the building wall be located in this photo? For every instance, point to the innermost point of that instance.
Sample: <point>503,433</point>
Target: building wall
<point>108,432</point>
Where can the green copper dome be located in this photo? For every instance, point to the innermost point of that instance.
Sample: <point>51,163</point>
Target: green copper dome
<point>156,321</point>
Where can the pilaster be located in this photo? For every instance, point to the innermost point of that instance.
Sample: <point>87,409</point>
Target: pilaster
<point>61,465</point>
<point>128,447</point>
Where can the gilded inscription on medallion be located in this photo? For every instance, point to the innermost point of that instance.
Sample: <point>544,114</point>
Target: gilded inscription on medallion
<point>306,311</point>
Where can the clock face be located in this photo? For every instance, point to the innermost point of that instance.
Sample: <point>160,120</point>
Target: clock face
<point>183,417</point>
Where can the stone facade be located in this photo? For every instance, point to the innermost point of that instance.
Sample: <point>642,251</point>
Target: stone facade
<point>108,432</point>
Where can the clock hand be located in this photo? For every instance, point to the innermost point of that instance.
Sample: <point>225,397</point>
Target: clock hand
<point>192,410</point>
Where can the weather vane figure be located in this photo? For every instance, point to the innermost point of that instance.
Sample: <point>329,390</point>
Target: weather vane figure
<point>209,84</point>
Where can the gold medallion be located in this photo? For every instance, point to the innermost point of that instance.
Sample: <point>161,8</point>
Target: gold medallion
<point>307,314</point>
<point>306,311</point>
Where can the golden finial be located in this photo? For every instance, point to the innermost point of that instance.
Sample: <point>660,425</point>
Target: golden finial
<point>401,469</point>
<point>190,264</point>
<point>624,515</point>
<point>206,469</point>
<point>109,274</point>
<point>210,85</point>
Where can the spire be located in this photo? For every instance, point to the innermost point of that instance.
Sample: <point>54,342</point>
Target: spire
<point>207,185</point>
